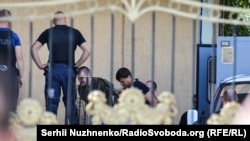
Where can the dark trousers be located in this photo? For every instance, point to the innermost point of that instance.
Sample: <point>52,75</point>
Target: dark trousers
<point>9,86</point>
<point>61,77</point>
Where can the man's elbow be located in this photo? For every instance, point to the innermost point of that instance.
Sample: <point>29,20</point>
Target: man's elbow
<point>19,56</point>
<point>87,52</point>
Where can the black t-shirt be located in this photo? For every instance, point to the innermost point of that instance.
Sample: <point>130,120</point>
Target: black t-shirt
<point>183,120</point>
<point>138,84</point>
<point>62,41</point>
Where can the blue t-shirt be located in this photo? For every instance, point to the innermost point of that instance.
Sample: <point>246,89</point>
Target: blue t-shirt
<point>8,41</point>
<point>15,38</point>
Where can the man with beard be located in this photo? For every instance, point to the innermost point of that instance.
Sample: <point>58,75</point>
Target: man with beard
<point>89,83</point>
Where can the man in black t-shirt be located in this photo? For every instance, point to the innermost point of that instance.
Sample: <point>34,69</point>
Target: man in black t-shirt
<point>185,116</point>
<point>61,41</point>
<point>124,76</point>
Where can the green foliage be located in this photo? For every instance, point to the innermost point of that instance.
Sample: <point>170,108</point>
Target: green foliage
<point>239,30</point>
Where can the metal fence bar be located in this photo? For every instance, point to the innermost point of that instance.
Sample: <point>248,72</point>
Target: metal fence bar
<point>30,60</point>
<point>172,68</point>
<point>193,58</point>
<point>112,26</point>
<point>69,113</point>
<point>132,48</point>
<point>92,36</point>
<point>153,54</point>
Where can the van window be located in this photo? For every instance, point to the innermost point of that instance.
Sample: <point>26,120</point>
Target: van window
<point>242,90</point>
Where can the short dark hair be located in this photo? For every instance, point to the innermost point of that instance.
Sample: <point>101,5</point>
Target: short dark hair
<point>122,73</point>
<point>4,15</point>
<point>85,69</point>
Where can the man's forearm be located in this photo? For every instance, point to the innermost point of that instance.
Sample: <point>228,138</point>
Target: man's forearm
<point>83,58</point>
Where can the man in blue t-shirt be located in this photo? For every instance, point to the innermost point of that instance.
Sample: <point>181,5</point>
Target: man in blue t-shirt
<point>124,76</point>
<point>11,60</point>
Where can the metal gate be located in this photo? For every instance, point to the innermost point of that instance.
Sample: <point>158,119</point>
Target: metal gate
<point>156,39</point>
